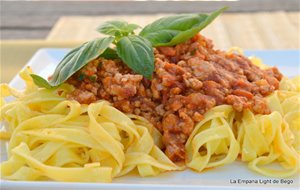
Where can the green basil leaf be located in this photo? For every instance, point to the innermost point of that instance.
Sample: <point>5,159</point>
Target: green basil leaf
<point>117,28</point>
<point>110,53</point>
<point>172,30</point>
<point>78,58</point>
<point>40,81</point>
<point>75,60</point>
<point>137,53</point>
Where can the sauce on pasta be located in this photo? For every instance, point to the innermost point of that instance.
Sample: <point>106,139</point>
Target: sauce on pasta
<point>189,79</point>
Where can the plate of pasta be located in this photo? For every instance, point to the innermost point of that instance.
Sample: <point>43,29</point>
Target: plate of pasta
<point>160,109</point>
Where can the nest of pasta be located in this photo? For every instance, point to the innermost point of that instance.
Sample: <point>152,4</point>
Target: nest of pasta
<point>51,137</point>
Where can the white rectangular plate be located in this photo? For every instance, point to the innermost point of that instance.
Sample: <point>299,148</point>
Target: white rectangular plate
<point>288,61</point>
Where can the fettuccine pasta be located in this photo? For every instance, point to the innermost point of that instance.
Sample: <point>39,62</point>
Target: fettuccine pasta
<point>212,143</point>
<point>54,138</point>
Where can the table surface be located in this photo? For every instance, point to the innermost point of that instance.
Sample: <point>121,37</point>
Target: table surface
<point>32,19</point>
<point>259,30</point>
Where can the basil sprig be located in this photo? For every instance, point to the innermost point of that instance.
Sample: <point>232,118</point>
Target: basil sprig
<point>117,27</point>
<point>172,30</point>
<point>136,51</point>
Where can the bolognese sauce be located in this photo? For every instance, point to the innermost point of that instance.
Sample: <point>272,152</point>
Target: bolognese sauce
<point>189,79</point>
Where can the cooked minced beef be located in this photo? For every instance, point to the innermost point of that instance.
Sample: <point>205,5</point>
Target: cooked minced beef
<point>189,79</point>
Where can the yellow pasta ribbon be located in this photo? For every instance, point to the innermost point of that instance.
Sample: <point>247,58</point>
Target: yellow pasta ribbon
<point>212,142</point>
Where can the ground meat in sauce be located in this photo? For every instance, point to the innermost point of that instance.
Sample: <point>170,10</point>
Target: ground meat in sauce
<point>189,79</point>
